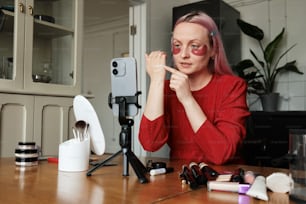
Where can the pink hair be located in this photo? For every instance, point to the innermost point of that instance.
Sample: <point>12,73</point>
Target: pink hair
<point>218,65</point>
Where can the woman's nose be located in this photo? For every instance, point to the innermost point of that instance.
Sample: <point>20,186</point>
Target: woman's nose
<point>185,52</point>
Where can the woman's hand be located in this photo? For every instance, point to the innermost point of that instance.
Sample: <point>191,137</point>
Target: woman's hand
<point>179,83</point>
<point>155,68</point>
<point>155,61</point>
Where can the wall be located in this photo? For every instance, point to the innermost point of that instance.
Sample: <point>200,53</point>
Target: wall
<point>106,27</point>
<point>102,43</point>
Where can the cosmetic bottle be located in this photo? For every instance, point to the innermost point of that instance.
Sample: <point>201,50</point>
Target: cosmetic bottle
<point>186,177</point>
<point>197,174</point>
<point>238,176</point>
<point>208,172</point>
<point>26,154</point>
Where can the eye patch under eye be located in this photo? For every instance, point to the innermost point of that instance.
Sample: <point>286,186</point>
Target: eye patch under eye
<point>196,51</point>
<point>199,51</point>
<point>175,50</point>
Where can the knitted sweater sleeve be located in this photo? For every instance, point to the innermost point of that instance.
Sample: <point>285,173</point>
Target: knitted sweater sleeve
<point>152,133</point>
<point>220,138</point>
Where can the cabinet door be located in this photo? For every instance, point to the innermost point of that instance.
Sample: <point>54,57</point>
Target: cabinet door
<point>40,46</point>
<point>52,56</point>
<point>16,123</point>
<point>12,20</point>
<point>53,120</point>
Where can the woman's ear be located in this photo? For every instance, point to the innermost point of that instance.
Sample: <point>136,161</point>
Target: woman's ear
<point>213,54</point>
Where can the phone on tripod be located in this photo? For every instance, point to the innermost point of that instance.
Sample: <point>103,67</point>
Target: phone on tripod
<point>124,82</point>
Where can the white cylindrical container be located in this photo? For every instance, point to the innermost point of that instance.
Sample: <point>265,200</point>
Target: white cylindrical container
<point>74,155</point>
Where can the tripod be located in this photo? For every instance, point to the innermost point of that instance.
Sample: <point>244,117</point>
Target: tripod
<point>125,140</point>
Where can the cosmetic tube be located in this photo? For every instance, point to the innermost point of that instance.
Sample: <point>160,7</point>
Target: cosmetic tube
<point>258,189</point>
<point>228,186</point>
<point>154,172</point>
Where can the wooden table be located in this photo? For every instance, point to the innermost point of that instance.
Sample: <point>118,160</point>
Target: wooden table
<point>45,184</point>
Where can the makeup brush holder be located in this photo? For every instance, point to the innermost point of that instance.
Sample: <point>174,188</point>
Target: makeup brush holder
<point>74,155</point>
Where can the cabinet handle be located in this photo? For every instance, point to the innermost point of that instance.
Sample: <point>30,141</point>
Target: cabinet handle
<point>21,7</point>
<point>31,10</point>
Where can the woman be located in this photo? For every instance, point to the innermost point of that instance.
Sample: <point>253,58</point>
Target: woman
<point>200,112</point>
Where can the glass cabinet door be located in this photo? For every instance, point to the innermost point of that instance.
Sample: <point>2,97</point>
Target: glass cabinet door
<point>40,46</point>
<point>7,37</point>
<point>53,42</point>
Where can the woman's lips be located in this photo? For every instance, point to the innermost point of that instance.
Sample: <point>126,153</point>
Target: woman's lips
<point>185,64</point>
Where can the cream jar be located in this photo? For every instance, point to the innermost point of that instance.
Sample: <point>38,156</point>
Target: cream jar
<point>26,154</point>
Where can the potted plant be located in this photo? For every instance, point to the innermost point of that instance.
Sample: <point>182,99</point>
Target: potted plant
<point>261,76</point>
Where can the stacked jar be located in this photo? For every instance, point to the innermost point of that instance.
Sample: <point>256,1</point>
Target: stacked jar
<point>26,154</point>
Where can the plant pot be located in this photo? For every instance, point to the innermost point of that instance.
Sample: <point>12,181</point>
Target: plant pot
<point>270,102</point>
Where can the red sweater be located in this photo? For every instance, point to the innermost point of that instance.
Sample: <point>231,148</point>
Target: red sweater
<point>223,101</point>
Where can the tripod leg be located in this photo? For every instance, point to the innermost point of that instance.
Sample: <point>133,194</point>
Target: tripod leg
<point>138,167</point>
<point>89,172</point>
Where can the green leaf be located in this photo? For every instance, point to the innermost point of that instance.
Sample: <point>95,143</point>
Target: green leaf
<point>241,66</point>
<point>252,76</point>
<point>262,64</point>
<point>244,64</point>
<point>271,48</point>
<point>250,30</point>
<point>257,85</point>
<point>289,66</point>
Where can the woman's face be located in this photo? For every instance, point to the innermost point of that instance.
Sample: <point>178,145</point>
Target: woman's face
<point>190,48</point>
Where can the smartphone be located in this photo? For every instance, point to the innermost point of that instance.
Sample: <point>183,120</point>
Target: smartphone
<point>124,82</point>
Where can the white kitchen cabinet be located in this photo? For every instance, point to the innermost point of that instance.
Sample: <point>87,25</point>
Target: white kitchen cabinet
<point>48,47</point>
<point>42,119</point>
<point>16,121</point>
<point>53,121</point>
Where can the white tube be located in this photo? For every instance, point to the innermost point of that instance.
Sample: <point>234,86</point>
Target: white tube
<point>154,172</point>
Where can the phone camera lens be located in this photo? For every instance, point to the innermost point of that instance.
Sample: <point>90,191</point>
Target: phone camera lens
<point>115,71</point>
<point>115,64</point>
